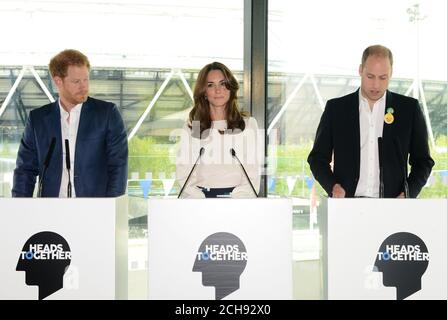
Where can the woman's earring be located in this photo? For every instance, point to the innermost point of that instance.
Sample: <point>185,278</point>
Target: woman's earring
<point>206,98</point>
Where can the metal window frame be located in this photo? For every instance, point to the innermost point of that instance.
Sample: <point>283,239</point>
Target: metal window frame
<point>255,69</point>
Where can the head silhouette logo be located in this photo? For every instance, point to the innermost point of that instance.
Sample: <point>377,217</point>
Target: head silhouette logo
<point>221,258</point>
<point>402,258</point>
<point>45,257</point>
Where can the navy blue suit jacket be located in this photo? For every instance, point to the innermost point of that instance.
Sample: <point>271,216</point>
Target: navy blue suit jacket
<point>339,134</point>
<point>100,166</point>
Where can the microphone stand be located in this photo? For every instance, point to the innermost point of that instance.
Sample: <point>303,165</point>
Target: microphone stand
<point>381,185</point>
<point>233,153</point>
<point>192,170</point>
<point>403,164</point>
<point>68,164</point>
<point>45,166</point>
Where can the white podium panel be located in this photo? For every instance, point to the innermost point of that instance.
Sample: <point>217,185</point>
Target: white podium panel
<point>220,249</point>
<point>63,248</point>
<point>386,248</point>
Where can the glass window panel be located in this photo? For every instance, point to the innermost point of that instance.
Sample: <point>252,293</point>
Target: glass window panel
<point>322,63</point>
<point>134,49</point>
<point>315,49</point>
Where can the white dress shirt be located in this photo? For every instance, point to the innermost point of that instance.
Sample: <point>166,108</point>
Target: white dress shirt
<point>69,130</point>
<point>371,127</point>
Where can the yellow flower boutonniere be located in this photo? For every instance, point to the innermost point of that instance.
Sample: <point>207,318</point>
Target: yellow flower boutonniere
<point>389,118</point>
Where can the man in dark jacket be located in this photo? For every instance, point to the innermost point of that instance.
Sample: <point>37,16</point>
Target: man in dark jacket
<point>92,129</point>
<point>355,127</point>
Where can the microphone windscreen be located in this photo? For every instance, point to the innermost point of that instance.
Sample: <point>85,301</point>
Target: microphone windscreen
<point>67,154</point>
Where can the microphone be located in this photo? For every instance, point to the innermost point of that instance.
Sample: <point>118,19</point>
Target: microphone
<point>233,153</point>
<point>403,164</point>
<point>201,151</point>
<point>46,163</point>
<point>381,186</point>
<point>68,164</point>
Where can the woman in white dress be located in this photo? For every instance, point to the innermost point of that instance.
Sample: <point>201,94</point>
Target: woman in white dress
<point>218,135</point>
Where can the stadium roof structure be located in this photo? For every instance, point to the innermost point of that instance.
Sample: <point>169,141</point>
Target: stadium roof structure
<point>154,102</point>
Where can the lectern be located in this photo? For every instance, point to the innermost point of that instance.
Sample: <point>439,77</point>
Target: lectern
<point>385,248</point>
<point>63,248</point>
<point>220,249</point>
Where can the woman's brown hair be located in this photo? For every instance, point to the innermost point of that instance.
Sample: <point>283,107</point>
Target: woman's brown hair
<point>201,110</point>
